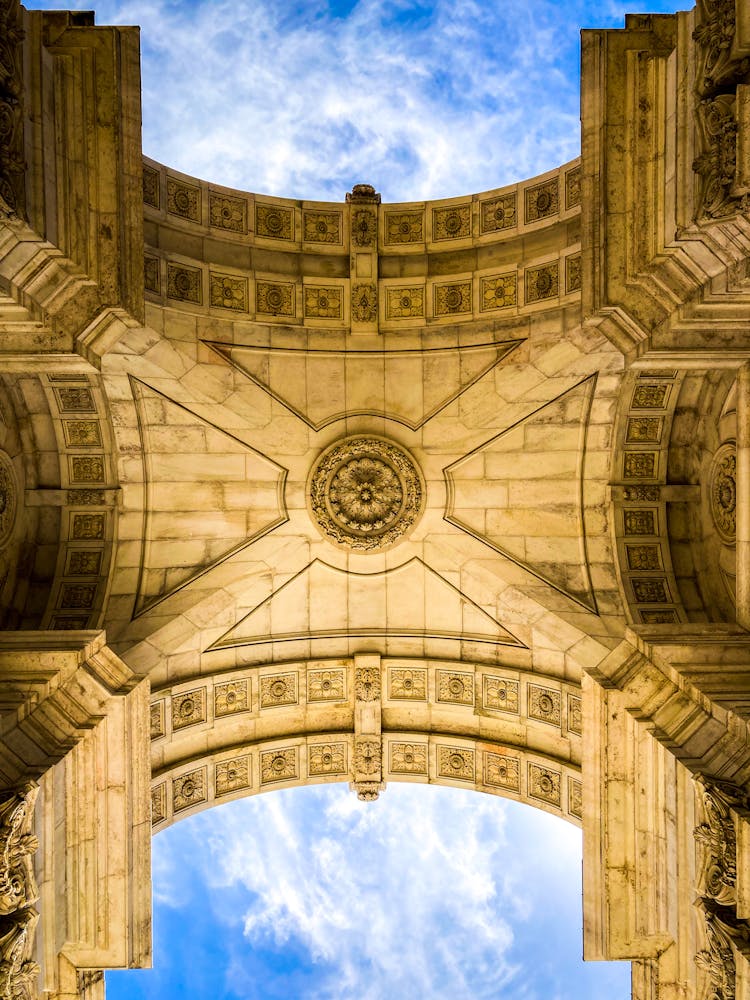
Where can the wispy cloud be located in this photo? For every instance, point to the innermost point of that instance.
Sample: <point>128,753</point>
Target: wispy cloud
<point>305,99</point>
<point>428,892</point>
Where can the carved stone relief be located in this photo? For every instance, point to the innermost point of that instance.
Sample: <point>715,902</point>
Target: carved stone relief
<point>18,845</point>
<point>8,498</point>
<point>723,492</point>
<point>12,163</point>
<point>18,889</point>
<point>365,493</point>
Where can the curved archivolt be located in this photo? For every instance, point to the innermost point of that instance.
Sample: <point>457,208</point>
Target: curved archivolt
<point>501,730</point>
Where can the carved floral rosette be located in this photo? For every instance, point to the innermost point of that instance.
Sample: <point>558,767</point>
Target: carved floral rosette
<point>723,492</point>
<point>365,493</point>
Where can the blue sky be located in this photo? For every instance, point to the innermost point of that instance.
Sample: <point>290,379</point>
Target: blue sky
<point>429,892</point>
<point>307,893</point>
<point>304,98</point>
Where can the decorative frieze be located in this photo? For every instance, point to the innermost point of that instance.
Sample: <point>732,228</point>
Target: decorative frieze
<point>716,840</point>
<point>233,775</point>
<point>575,714</point>
<point>405,303</point>
<point>188,708</point>
<point>367,757</point>
<point>326,758</point>
<point>497,214</point>
<point>322,227</point>
<point>541,201</point>
<point>640,522</point>
<point>643,557</point>
<point>82,433</point>
<point>639,464</point>
<point>86,469</point>
<point>183,200</point>
<point>452,223</point>
<point>575,798</point>
<point>455,688</point>
<point>408,684</point>
<point>544,784</point>
<point>408,758</point>
<point>74,399</point>
<point>544,704</point>
<point>151,194</point>
<point>367,683</point>
<point>184,284</point>
<point>87,527</point>
<point>723,493</point>
<point>275,298</point>
<point>157,719</point>
<point>573,274</point>
<point>279,765</point>
<point>498,292</point>
<point>231,697</point>
<point>502,771</point>
<point>12,162</point>
<point>573,188</point>
<point>452,299</point>
<point>650,397</point>
<point>274,222</point>
<point>456,762</point>
<point>226,212</point>
<point>364,227</point>
<point>542,282</point>
<point>189,789</point>
<point>8,497</point>
<point>278,690</point>
<point>18,972</point>
<point>500,694</point>
<point>364,302</point>
<point>326,685</point>
<point>404,227</point>
<point>323,303</point>
<point>158,803</point>
<point>227,291</point>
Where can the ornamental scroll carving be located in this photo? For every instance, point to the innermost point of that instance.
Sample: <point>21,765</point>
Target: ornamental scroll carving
<point>12,165</point>
<point>716,845</point>
<point>719,71</point>
<point>18,889</point>
<point>18,972</point>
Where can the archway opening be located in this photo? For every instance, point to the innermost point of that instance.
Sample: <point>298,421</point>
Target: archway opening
<point>427,892</point>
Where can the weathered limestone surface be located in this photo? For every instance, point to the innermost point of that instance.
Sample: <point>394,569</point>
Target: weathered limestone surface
<point>445,492</point>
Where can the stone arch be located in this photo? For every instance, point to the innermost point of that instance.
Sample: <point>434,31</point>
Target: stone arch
<point>499,730</point>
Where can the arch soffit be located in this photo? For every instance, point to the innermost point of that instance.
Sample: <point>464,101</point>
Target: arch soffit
<point>504,731</point>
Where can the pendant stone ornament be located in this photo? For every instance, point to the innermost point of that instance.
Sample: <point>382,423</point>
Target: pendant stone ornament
<point>365,493</point>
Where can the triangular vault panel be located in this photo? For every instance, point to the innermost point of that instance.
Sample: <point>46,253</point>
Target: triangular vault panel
<point>521,493</point>
<point>324,602</point>
<point>409,386</point>
<point>208,495</point>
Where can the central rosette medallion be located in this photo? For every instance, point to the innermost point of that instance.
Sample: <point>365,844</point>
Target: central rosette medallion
<point>365,493</point>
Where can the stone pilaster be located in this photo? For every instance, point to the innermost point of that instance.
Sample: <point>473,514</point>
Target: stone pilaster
<point>368,745</point>
<point>364,201</point>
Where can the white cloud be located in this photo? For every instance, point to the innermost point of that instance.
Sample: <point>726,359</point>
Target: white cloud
<point>417,893</point>
<point>420,99</point>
